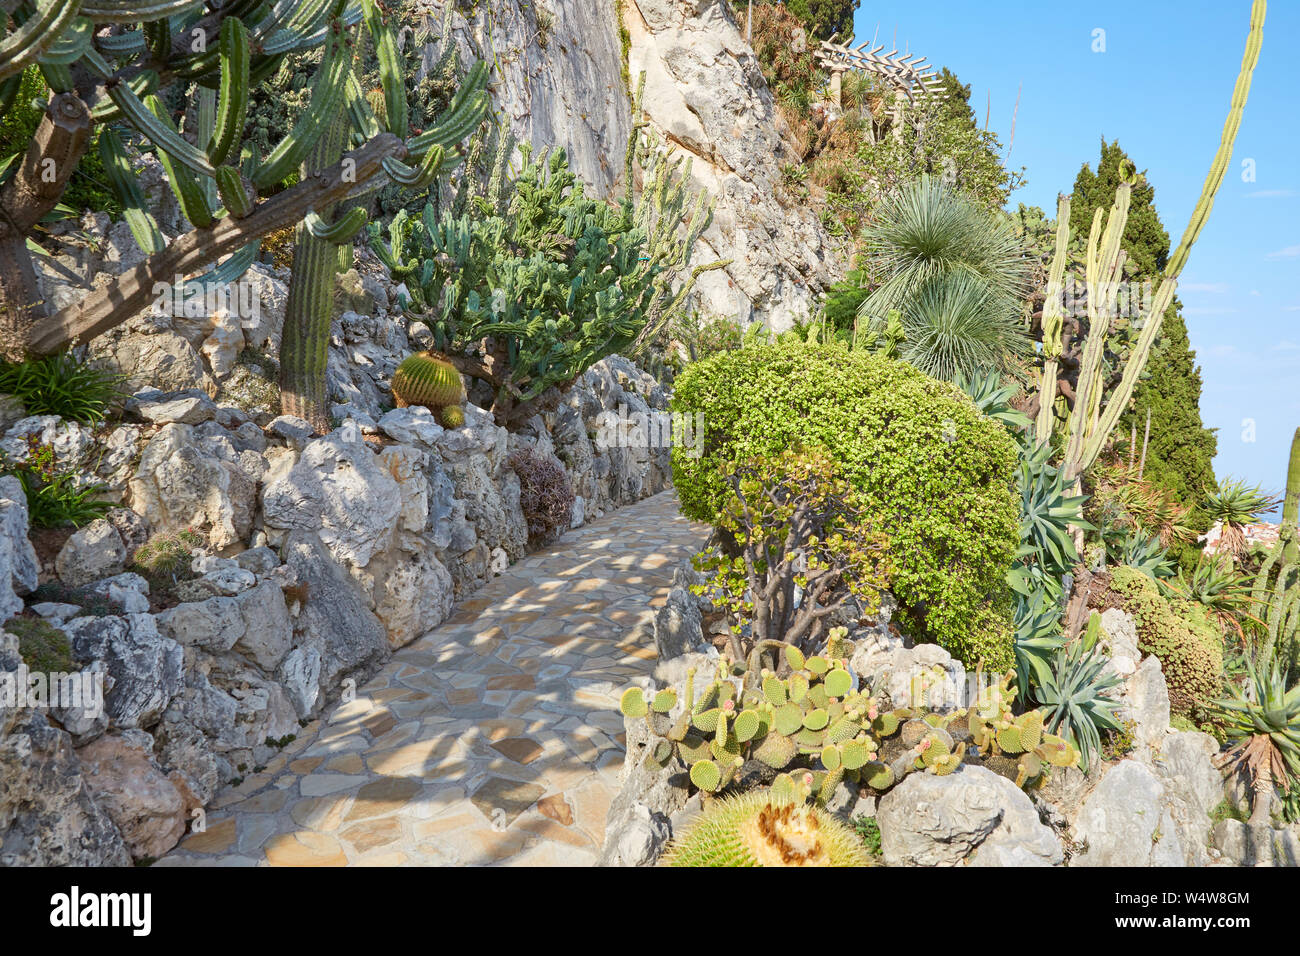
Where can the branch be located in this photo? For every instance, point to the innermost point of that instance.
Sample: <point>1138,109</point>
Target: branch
<point>48,164</point>
<point>111,305</point>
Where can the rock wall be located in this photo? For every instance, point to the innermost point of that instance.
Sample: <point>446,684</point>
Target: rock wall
<point>705,92</point>
<point>311,559</point>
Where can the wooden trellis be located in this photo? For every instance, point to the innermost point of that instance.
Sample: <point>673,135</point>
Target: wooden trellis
<point>908,73</point>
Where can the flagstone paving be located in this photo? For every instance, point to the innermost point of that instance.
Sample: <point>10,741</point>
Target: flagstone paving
<point>493,739</point>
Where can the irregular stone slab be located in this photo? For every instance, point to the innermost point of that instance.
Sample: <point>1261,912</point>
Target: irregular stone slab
<point>334,614</point>
<point>502,800</point>
<point>93,552</point>
<point>146,806</point>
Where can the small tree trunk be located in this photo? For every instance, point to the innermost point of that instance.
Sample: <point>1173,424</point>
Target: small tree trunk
<point>1262,806</point>
<point>35,189</point>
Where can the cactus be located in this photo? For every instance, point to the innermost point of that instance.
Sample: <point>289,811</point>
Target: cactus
<point>1090,425</point>
<point>429,379</point>
<point>527,299</point>
<point>998,733</point>
<point>227,53</point>
<point>785,723</point>
<point>1275,594</point>
<point>767,828</point>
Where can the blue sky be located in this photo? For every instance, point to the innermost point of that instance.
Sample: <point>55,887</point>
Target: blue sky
<point>1162,87</point>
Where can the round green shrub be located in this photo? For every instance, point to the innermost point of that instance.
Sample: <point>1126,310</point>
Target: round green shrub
<point>1181,634</point>
<point>937,476</point>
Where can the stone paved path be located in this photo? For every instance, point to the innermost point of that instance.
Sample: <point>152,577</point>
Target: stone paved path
<point>494,739</point>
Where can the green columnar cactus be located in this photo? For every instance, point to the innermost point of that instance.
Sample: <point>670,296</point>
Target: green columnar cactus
<point>111,63</point>
<point>1090,424</point>
<point>304,346</point>
<point>1275,595</point>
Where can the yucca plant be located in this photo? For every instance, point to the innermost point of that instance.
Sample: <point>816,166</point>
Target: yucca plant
<point>1262,720</point>
<point>956,274</point>
<point>1133,501</point>
<point>1235,505</point>
<point>1075,695</point>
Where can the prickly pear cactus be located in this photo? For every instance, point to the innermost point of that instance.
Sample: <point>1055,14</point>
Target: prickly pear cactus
<point>813,718</point>
<point>997,732</point>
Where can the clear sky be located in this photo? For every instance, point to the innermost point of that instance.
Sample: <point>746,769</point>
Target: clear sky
<point>1162,88</point>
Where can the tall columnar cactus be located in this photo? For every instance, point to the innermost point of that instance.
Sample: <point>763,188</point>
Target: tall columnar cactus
<point>304,345</point>
<point>108,79</point>
<point>1275,596</point>
<point>1091,424</point>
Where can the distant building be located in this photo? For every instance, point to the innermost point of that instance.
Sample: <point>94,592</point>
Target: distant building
<point>1257,532</point>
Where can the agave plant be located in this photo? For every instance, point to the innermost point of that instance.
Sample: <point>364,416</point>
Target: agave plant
<point>1217,584</point>
<point>1075,697</point>
<point>1235,505</point>
<point>1038,639</point>
<point>1046,515</point>
<point>993,398</point>
<point>1262,720</point>
<point>1143,552</point>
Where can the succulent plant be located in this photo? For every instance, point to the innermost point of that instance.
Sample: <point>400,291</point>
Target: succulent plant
<point>767,828</point>
<point>813,718</point>
<point>431,380</point>
<point>997,732</point>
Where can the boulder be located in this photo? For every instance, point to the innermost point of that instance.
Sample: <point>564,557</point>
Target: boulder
<point>334,617</point>
<point>1127,821</point>
<point>93,552</point>
<point>189,407</point>
<point>124,780</point>
<point>47,814</point>
<point>147,669</point>
<point>341,491</point>
<point>971,815</point>
<point>19,568</point>
<point>1120,630</point>
<point>678,625</point>
<point>1193,788</point>
<point>184,483</point>
<point>1146,703</point>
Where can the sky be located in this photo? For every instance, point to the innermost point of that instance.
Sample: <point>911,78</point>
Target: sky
<point>1162,87</point>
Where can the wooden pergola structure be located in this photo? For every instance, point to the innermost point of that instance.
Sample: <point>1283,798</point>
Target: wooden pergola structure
<point>908,73</point>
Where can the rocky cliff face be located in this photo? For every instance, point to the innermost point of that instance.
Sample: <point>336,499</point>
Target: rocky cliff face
<point>562,81</point>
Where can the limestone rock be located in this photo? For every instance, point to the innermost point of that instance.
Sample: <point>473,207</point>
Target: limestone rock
<point>184,483</point>
<point>1126,821</point>
<point>93,552</point>
<point>970,815</point>
<point>47,815</point>
<point>19,567</point>
<point>341,491</point>
<point>350,639</point>
<point>146,667</point>
<point>121,775</point>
